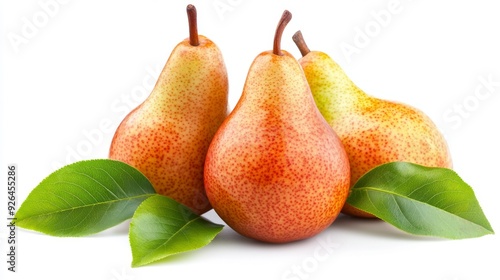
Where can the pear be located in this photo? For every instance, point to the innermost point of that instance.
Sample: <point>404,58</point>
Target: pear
<point>275,170</point>
<point>167,136</point>
<point>373,131</point>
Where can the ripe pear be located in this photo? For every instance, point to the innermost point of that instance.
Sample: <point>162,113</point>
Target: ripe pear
<point>373,131</point>
<point>167,136</point>
<point>275,170</point>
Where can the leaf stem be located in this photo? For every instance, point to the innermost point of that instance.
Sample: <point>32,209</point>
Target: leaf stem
<point>301,43</point>
<point>193,26</point>
<point>285,19</point>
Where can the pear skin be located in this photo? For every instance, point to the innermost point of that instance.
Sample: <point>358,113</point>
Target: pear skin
<point>167,136</point>
<point>275,170</point>
<point>373,131</point>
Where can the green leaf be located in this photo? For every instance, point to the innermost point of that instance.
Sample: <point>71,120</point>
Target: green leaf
<point>84,198</point>
<point>162,227</point>
<point>421,200</point>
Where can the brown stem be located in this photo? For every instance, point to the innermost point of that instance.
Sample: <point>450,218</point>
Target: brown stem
<point>193,26</point>
<point>285,19</point>
<point>301,43</point>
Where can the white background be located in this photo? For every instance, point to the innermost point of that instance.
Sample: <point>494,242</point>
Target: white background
<point>67,83</point>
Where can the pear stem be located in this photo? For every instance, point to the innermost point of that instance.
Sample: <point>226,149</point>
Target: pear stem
<point>285,19</point>
<point>193,26</point>
<point>301,43</point>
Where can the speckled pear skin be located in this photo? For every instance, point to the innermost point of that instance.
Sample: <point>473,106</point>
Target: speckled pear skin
<point>275,170</point>
<point>373,131</point>
<point>168,135</point>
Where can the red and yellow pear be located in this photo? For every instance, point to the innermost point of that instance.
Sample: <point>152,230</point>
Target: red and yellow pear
<point>275,170</point>
<point>373,131</point>
<point>167,136</point>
